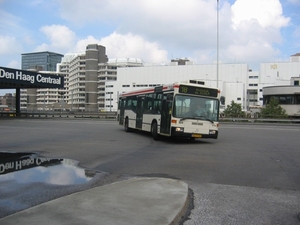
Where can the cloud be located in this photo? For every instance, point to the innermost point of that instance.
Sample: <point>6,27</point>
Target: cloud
<point>295,2</point>
<point>129,45</point>
<point>61,38</point>
<point>9,45</point>
<point>268,13</point>
<point>157,31</point>
<point>126,46</point>
<point>9,23</point>
<point>185,29</point>
<point>13,64</point>
<point>177,24</point>
<point>256,28</point>
<point>81,44</point>
<point>297,32</point>
<point>80,12</point>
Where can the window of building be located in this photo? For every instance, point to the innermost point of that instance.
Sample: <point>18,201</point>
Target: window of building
<point>297,99</point>
<point>253,92</point>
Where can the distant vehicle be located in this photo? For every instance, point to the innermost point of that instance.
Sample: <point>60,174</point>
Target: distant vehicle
<point>171,110</point>
<point>288,98</point>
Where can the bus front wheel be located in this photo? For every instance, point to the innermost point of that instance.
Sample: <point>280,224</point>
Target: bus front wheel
<point>154,131</point>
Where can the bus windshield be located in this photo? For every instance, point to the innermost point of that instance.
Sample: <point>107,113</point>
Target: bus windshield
<point>194,107</point>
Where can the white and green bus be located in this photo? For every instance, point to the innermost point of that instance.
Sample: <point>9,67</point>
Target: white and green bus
<point>184,109</point>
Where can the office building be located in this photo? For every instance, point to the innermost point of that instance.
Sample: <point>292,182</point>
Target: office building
<point>236,81</point>
<point>40,61</point>
<point>8,102</point>
<point>84,84</point>
<point>30,99</point>
<point>87,74</point>
<point>91,82</point>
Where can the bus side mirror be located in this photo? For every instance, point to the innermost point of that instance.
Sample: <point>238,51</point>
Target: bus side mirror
<point>222,100</point>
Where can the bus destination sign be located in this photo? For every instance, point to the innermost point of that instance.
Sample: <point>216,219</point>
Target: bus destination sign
<point>198,91</point>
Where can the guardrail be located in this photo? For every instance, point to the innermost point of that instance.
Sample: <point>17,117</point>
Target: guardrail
<point>100,115</point>
<point>260,120</point>
<point>113,115</point>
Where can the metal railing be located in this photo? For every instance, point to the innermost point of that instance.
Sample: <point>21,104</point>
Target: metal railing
<point>63,114</point>
<point>113,115</point>
<point>260,120</point>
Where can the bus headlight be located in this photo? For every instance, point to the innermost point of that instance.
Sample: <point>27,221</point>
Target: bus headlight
<point>179,129</point>
<point>212,132</point>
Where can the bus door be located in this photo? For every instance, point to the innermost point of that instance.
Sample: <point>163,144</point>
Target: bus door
<point>139,112</point>
<point>165,122</point>
<point>122,109</point>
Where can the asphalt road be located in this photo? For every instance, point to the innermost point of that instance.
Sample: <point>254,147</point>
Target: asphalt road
<point>249,175</point>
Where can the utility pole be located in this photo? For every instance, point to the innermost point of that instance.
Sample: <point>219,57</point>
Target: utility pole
<point>217,43</point>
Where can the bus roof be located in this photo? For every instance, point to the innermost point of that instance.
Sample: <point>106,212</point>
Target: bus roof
<point>164,88</point>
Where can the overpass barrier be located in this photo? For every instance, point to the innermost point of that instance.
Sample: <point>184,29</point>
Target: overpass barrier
<point>100,115</point>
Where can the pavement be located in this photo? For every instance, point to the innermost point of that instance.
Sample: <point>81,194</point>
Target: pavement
<point>140,201</point>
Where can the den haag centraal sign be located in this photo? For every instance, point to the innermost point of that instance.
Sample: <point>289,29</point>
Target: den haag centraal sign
<point>30,79</point>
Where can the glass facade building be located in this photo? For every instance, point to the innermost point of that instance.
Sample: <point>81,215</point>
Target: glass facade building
<point>41,61</point>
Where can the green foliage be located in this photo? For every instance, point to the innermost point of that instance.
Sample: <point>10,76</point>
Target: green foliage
<point>273,110</point>
<point>234,110</point>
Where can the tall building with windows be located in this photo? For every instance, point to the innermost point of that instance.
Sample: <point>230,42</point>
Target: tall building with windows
<point>83,78</point>
<point>87,75</point>
<point>40,61</point>
<point>34,99</point>
<point>91,82</point>
<point>236,81</point>
<point>8,101</point>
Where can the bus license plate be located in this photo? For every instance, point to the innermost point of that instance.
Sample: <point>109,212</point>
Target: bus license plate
<point>196,135</point>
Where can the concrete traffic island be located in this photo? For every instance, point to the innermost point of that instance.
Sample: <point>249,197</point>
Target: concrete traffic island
<point>159,201</point>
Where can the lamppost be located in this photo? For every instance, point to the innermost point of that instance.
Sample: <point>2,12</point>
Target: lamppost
<point>217,43</point>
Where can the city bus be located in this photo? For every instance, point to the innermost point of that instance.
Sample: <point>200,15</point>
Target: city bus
<point>170,110</point>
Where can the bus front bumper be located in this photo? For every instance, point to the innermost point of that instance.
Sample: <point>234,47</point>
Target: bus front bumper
<point>212,134</point>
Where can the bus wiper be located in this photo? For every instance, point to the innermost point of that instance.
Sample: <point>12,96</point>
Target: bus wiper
<point>189,117</point>
<point>204,118</point>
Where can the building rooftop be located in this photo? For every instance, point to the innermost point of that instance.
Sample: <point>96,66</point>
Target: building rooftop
<point>125,60</point>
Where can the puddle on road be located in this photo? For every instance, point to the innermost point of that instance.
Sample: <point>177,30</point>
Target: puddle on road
<point>30,167</point>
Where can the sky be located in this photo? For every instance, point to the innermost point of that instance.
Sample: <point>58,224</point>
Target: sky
<point>156,31</point>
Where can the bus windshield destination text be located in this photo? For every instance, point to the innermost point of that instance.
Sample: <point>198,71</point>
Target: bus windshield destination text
<point>198,91</point>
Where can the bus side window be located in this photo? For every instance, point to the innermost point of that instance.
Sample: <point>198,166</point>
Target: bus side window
<point>148,104</point>
<point>157,103</point>
<point>131,103</point>
<point>128,104</point>
<point>134,105</point>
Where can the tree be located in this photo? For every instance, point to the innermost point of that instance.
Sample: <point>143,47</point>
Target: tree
<point>234,110</point>
<point>273,110</point>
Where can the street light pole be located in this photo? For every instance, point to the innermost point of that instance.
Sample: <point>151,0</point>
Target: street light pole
<point>217,43</point>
